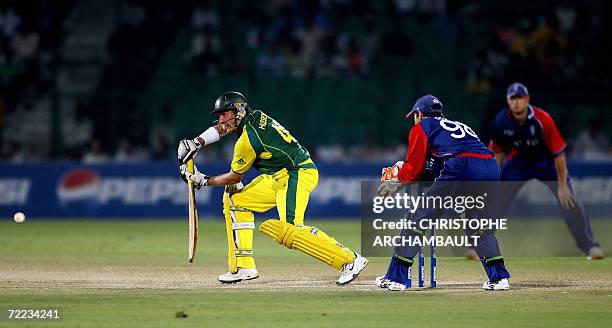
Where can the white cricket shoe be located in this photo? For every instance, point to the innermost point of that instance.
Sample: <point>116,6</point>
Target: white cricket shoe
<point>502,284</point>
<point>350,271</point>
<point>240,275</point>
<point>396,286</point>
<point>382,282</point>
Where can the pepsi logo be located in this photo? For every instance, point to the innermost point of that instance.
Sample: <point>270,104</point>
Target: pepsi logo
<point>78,190</point>
<point>78,184</point>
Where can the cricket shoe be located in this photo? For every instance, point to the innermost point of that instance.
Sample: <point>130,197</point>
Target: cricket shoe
<point>396,286</point>
<point>596,253</point>
<point>350,271</point>
<point>238,276</point>
<point>382,282</point>
<point>501,284</point>
<point>391,285</point>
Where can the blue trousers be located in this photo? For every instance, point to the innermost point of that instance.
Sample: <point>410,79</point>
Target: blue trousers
<point>479,176</point>
<point>521,171</point>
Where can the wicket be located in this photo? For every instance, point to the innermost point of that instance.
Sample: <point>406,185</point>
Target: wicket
<point>433,264</point>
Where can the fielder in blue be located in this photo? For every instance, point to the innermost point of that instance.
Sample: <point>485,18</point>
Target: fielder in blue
<point>465,163</point>
<point>528,145</point>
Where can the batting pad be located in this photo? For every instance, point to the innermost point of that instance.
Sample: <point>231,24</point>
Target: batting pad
<point>306,240</point>
<point>239,224</point>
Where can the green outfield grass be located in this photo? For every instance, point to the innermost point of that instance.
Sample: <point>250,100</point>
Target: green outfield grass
<point>135,273</point>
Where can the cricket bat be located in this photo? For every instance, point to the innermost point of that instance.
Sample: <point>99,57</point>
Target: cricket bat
<point>193,216</point>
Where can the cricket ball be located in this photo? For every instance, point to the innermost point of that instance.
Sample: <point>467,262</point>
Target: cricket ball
<point>19,217</point>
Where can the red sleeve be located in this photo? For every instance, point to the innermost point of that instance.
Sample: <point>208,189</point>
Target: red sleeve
<point>552,137</point>
<point>494,146</point>
<point>414,163</point>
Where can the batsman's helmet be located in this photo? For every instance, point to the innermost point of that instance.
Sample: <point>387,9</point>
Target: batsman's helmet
<point>427,105</point>
<point>230,100</point>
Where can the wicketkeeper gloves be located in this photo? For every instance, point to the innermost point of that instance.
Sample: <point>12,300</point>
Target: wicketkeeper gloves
<point>388,187</point>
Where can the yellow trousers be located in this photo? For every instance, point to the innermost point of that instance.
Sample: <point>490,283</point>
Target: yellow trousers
<point>287,190</point>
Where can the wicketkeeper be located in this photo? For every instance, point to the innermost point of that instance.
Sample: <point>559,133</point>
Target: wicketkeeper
<point>288,177</point>
<point>467,164</point>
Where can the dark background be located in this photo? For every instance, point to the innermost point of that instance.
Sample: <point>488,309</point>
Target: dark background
<point>122,81</point>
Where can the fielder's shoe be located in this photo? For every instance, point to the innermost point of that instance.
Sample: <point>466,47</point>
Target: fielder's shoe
<point>240,275</point>
<point>350,271</point>
<point>382,282</point>
<point>596,253</point>
<point>502,284</point>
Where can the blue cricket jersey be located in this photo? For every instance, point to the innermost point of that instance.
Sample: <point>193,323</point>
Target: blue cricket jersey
<point>536,139</point>
<point>441,139</point>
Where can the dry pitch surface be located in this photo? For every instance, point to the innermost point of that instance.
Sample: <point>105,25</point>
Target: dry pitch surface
<point>135,273</point>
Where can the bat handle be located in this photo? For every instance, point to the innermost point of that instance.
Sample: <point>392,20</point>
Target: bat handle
<point>190,166</point>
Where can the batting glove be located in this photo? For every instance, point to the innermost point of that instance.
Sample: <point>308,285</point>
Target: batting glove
<point>388,187</point>
<point>199,179</point>
<point>188,149</point>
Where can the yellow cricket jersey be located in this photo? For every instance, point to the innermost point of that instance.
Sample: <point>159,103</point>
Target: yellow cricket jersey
<point>267,146</point>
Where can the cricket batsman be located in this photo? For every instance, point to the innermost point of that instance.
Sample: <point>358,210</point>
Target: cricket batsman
<point>528,145</point>
<point>288,176</point>
<point>466,163</point>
